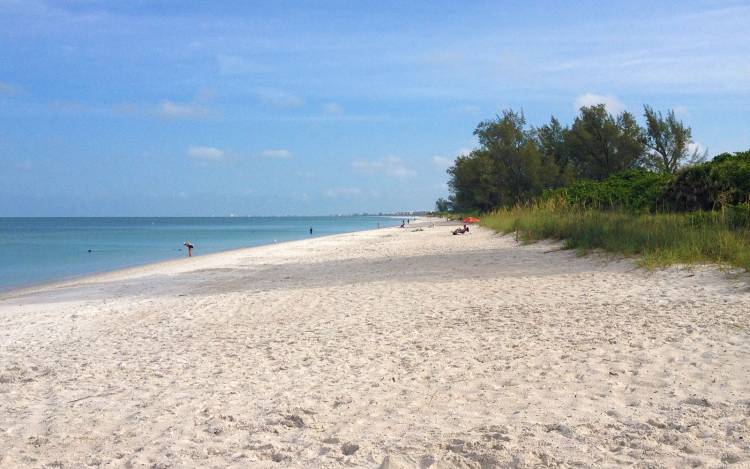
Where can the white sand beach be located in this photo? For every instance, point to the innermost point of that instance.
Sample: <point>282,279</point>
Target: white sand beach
<point>391,348</point>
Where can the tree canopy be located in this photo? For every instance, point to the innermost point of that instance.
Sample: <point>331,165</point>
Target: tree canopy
<point>602,144</point>
<point>668,141</point>
<point>515,162</point>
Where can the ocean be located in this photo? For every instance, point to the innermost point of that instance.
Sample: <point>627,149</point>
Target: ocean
<point>37,250</point>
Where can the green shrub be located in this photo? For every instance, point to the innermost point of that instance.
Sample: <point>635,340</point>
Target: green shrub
<point>634,190</point>
<point>723,181</point>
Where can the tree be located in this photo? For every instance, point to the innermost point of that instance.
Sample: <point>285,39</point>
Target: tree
<point>559,169</point>
<point>443,205</point>
<point>601,145</point>
<point>472,184</point>
<point>508,167</point>
<point>516,160</point>
<point>668,141</point>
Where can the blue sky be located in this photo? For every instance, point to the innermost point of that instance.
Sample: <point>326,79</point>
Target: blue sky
<point>257,108</point>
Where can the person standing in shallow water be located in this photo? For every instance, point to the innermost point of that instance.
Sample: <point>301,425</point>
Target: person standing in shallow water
<point>311,230</point>
<point>189,248</point>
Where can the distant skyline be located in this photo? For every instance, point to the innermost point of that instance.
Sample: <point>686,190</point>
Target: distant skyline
<point>181,108</point>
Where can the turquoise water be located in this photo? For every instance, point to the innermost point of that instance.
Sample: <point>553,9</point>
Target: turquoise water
<point>34,250</point>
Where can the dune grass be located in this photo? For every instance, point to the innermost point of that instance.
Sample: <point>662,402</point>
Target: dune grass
<point>720,237</point>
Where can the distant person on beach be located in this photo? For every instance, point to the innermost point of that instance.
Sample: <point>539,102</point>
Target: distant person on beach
<point>461,230</point>
<point>189,248</point>
<point>311,230</point>
<point>402,224</point>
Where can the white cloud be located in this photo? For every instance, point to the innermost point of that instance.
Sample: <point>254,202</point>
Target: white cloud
<point>343,192</point>
<point>614,105</point>
<point>333,109</point>
<point>206,153</point>
<point>390,165</point>
<point>278,98</point>
<point>442,162</point>
<point>172,110</point>
<point>696,148</point>
<point>279,154</point>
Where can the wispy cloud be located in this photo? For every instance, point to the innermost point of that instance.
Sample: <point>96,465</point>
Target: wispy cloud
<point>280,154</point>
<point>78,108</point>
<point>390,165</point>
<point>681,111</point>
<point>172,110</point>
<point>442,162</point>
<point>614,105</point>
<point>333,109</point>
<point>279,99</point>
<point>206,153</point>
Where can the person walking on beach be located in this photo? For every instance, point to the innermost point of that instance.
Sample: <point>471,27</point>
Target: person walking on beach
<point>189,248</point>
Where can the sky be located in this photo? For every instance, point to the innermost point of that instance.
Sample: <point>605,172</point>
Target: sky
<point>195,108</point>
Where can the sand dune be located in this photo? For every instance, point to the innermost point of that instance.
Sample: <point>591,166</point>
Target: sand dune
<point>389,348</point>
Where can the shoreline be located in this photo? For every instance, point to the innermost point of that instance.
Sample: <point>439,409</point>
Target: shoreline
<point>24,290</point>
<point>381,348</point>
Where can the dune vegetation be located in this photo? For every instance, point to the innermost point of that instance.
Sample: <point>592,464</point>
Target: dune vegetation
<point>659,239</point>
